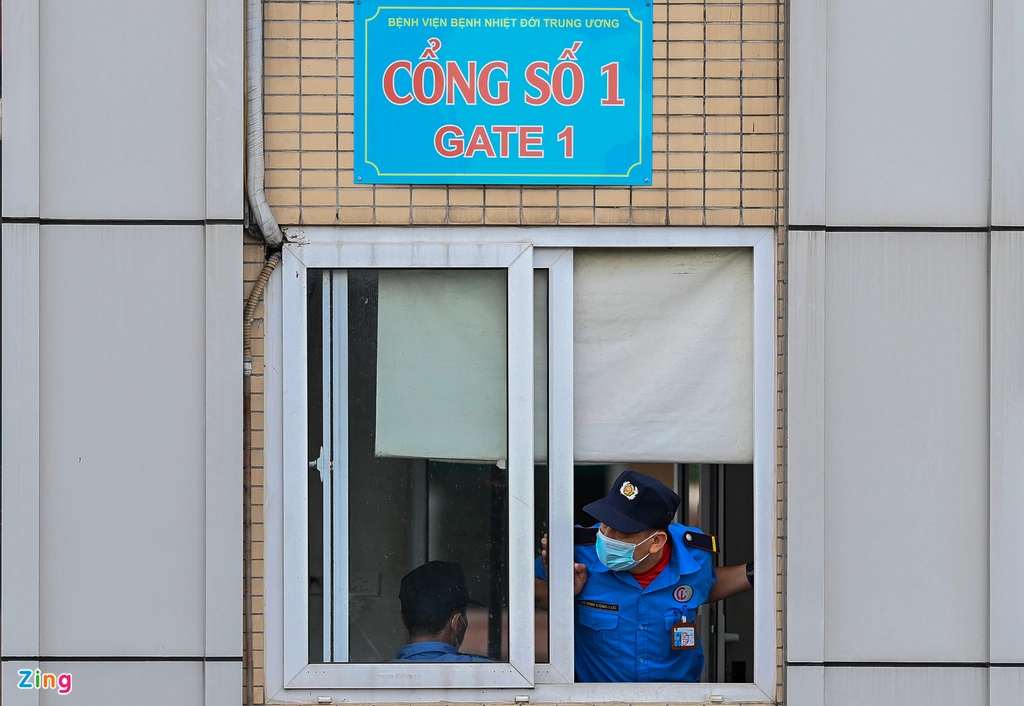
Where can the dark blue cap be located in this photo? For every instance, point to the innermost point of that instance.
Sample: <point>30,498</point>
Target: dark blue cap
<point>636,502</point>
<point>435,588</point>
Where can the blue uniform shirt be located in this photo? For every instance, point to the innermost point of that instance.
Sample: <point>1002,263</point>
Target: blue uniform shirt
<point>434,652</point>
<point>623,631</point>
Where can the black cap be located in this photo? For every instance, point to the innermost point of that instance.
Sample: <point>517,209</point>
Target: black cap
<point>435,588</point>
<point>636,502</point>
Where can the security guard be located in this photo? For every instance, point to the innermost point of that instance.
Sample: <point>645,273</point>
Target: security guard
<point>639,585</point>
<point>434,597</point>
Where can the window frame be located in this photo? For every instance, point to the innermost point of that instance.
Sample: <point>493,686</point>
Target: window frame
<point>516,259</point>
<point>548,248</point>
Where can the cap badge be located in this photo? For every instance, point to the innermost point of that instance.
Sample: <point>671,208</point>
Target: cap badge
<point>683,593</point>
<point>629,490</point>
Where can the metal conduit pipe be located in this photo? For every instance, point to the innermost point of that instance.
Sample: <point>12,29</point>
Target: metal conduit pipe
<point>255,166</point>
<point>250,312</point>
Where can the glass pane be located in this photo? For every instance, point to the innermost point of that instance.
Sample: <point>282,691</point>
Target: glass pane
<point>540,421</point>
<point>316,409</point>
<point>426,418</point>
<point>467,522</point>
<point>719,498</point>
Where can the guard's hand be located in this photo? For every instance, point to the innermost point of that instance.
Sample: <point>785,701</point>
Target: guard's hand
<point>579,571</point>
<point>579,578</point>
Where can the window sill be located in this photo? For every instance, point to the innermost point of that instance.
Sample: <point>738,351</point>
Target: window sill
<point>661,693</point>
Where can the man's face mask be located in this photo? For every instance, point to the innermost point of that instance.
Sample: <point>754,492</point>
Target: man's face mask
<point>616,554</point>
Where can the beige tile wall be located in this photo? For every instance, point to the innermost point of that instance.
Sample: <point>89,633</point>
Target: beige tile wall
<point>717,130</point>
<point>253,256</point>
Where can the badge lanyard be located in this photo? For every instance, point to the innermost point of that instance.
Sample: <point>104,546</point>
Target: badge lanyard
<point>684,634</point>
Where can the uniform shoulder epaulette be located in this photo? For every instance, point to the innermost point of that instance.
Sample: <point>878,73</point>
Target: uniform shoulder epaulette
<point>707,542</point>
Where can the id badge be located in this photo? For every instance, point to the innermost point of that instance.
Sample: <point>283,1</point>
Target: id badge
<point>684,636</point>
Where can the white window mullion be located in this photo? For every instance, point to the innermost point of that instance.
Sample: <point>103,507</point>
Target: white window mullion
<point>520,464</point>
<point>295,476</point>
<point>339,466</point>
<point>764,464</point>
<point>560,467</point>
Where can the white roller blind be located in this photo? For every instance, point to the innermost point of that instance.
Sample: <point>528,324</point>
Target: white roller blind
<point>441,367</point>
<point>663,355</point>
<point>441,364</point>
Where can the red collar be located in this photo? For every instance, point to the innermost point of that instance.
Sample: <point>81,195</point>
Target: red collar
<point>645,578</point>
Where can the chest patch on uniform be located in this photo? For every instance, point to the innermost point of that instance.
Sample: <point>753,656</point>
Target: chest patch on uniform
<point>683,593</point>
<point>598,605</point>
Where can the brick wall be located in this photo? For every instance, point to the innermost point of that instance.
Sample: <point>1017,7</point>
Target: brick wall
<point>253,254</point>
<point>717,126</point>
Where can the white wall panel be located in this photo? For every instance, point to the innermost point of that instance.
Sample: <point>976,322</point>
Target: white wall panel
<point>1006,686</point>
<point>908,113</point>
<point>123,457</point>
<point>807,117</point>
<point>222,682</point>
<point>1007,109</point>
<point>20,177</point>
<point>906,447</point>
<point>123,109</point>
<point>223,379</point>
<point>19,609</point>
<point>108,683</point>
<point>805,530</point>
<point>11,694</point>
<point>1007,446</point>
<point>905,686</point>
<point>805,686</point>
<point>225,117</point>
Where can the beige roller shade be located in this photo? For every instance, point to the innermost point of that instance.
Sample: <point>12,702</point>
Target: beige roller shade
<point>664,355</point>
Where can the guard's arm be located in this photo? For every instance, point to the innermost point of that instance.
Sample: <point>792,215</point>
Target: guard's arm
<point>732,580</point>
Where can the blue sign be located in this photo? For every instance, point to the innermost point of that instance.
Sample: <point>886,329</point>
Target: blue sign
<point>452,93</point>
